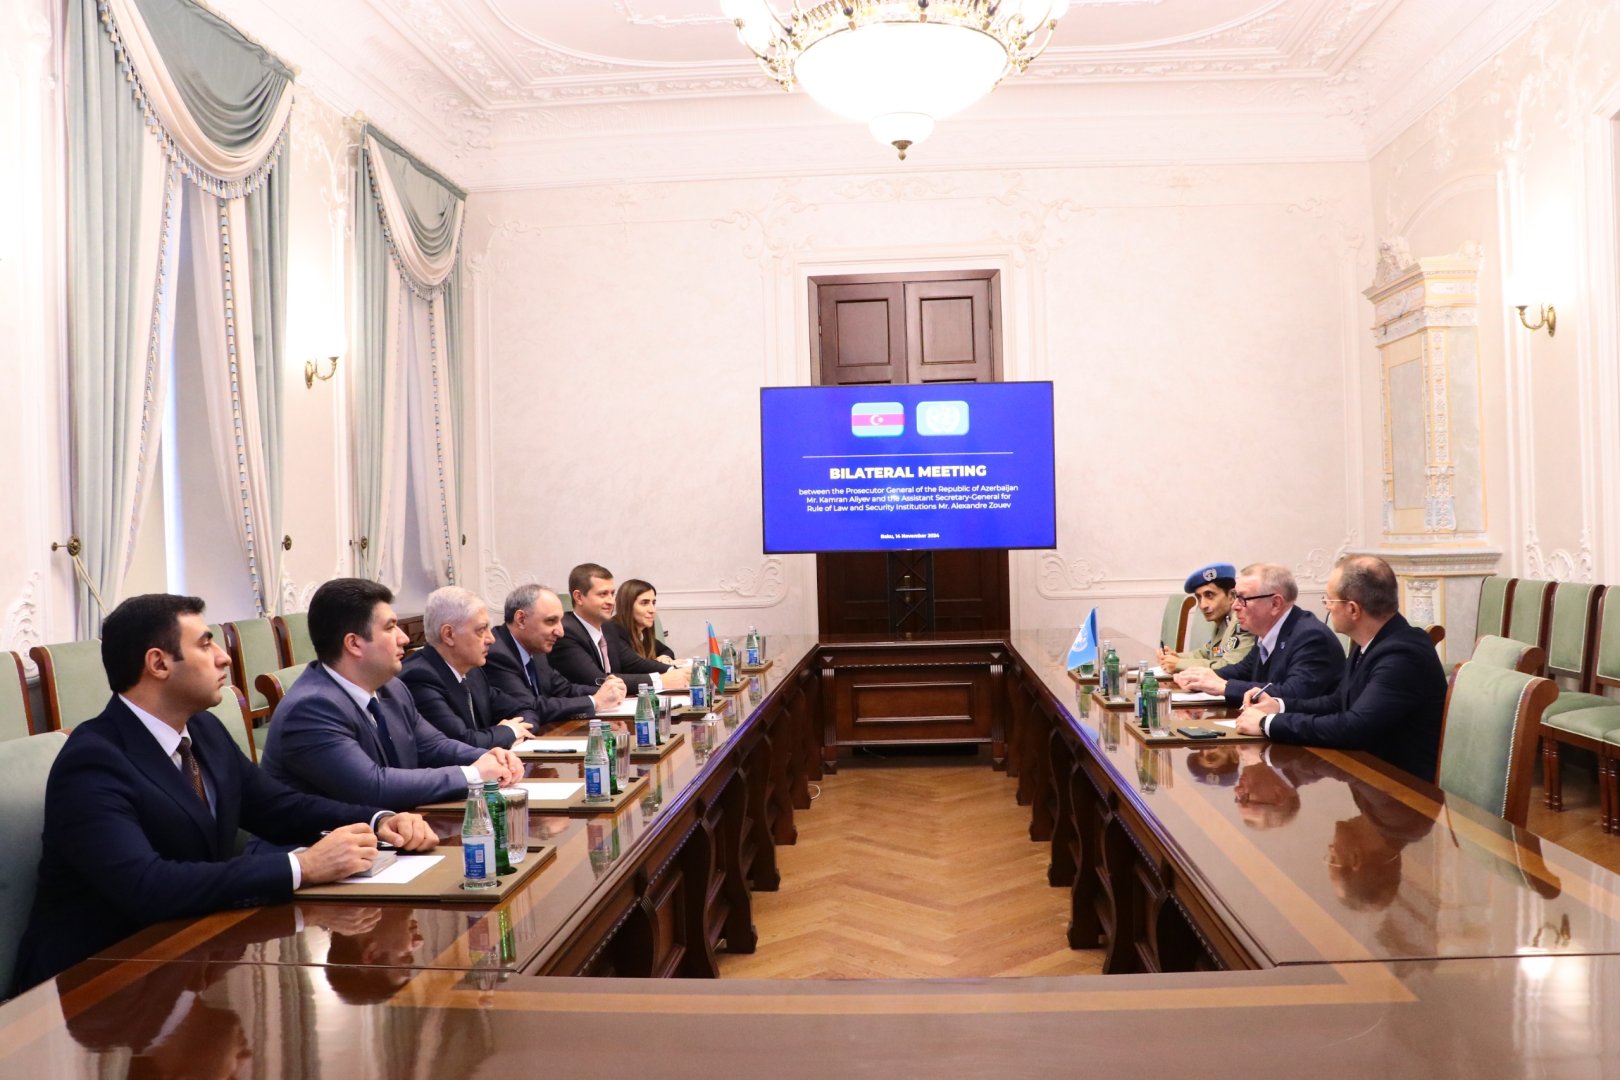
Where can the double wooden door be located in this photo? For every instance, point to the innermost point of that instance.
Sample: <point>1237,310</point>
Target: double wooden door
<point>911,328</point>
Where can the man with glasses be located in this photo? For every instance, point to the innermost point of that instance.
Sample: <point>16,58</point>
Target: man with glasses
<point>1212,587</point>
<point>1391,700</point>
<point>1295,653</point>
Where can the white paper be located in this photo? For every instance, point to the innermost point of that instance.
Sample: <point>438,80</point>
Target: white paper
<point>1192,697</point>
<point>1160,674</point>
<point>552,790</point>
<point>550,746</point>
<point>627,707</point>
<point>405,869</point>
<point>1226,724</point>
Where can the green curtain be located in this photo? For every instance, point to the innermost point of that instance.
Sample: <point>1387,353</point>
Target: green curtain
<point>230,86</point>
<point>369,377</point>
<point>267,252</point>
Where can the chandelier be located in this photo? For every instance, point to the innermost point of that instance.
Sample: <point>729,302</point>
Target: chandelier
<point>896,65</point>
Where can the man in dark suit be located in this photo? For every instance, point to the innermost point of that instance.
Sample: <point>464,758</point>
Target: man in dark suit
<point>1295,654</point>
<point>587,653</point>
<point>1391,701</point>
<point>348,725</point>
<point>143,803</point>
<point>447,678</point>
<point>520,675</point>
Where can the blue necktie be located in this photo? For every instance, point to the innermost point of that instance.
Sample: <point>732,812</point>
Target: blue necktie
<point>391,754</point>
<point>534,676</point>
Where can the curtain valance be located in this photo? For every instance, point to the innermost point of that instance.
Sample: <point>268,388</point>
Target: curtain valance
<point>421,212</point>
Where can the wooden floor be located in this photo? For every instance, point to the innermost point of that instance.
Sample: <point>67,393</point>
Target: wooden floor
<point>912,868</point>
<point>1578,826</point>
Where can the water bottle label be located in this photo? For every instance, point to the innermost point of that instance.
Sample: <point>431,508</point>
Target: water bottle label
<point>644,733</point>
<point>731,674</point>
<point>753,656</point>
<point>595,781</point>
<point>475,856</point>
<point>698,697</point>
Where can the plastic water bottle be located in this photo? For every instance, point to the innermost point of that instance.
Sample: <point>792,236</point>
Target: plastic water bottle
<point>1148,692</point>
<point>751,648</point>
<point>477,842</point>
<point>728,657</point>
<point>1111,667</point>
<point>698,686</point>
<point>598,766</point>
<point>497,818</point>
<point>646,721</point>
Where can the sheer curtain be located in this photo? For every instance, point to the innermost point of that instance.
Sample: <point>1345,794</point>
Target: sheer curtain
<point>406,374</point>
<point>168,105</point>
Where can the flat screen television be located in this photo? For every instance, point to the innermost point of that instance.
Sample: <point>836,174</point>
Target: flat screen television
<point>885,468</point>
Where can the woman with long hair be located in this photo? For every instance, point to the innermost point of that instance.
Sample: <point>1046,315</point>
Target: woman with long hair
<point>635,610</point>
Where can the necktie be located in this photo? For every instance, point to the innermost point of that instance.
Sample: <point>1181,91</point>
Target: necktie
<point>601,647</point>
<point>389,753</point>
<point>472,706</point>
<point>534,676</point>
<point>189,766</point>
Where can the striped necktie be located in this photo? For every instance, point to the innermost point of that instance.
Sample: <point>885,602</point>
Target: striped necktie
<point>193,771</point>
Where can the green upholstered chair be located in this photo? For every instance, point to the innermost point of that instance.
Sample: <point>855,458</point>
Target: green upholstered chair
<point>252,645</point>
<point>232,711</point>
<point>292,638</point>
<point>24,766</point>
<point>1344,642</point>
<point>16,715</point>
<point>1173,625</point>
<point>1586,649</point>
<point>1530,612</point>
<point>273,685</point>
<point>1198,630</point>
<point>1495,594</point>
<point>72,682</point>
<point>1608,760</point>
<point>1509,655</point>
<point>1488,750</point>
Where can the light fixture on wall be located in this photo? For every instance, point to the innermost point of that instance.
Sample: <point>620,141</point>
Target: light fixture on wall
<point>312,371</point>
<point>1548,317</point>
<point>896,65</point>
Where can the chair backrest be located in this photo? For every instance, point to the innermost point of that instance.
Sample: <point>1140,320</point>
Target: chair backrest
<point>1344,642</point>
<point>25,764</point>
<point>1507,654</point>
<point>1492,729</point>
<point>1495,594</point>
<point>16,715</point>
<point>292,638</point>
<point>1572,639</point>
<point>1530,611</point>
<point>1606,668</point>
<point>1436,632</point>
<point>1197,632</point>
<point>1173,626</point>
<point>232,711</point>
<point>252,645</point>
<point>72,682</point>
<point>273,685</point>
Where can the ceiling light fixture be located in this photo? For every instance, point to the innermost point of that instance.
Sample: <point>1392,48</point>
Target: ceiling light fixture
<point>897,66</point>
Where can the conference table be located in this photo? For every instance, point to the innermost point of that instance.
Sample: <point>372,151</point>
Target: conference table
<point>1261,909</point>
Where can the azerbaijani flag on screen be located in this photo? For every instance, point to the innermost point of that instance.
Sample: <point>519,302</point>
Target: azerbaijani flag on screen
<point>870,419</point>
<point>717,666</point>
<point>1084,649</point>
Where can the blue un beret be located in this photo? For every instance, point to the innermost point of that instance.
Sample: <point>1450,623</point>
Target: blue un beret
<point>1213,572</point>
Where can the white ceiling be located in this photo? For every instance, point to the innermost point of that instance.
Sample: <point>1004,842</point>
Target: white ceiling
<point>510,93</point>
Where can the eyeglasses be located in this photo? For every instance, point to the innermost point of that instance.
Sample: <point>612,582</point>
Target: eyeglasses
<point>1328,601</point>
<point>1244,601</point>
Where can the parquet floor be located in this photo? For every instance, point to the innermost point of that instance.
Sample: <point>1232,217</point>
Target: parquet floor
<point>1578,826</point>
<point>912,868</point>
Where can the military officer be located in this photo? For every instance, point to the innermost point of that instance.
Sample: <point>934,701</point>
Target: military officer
<point>1212,587</point>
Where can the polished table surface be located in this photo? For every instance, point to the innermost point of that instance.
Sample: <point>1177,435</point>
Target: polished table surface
<point>1404,932</point>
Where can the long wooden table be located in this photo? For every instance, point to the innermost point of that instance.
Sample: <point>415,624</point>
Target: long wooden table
<point>1284,909</point>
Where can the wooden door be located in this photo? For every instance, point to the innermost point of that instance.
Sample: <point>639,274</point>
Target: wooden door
<point>917,328</point>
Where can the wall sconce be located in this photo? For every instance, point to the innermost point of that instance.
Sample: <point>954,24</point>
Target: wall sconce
<point>312,372</point>
<point>1548,318</point>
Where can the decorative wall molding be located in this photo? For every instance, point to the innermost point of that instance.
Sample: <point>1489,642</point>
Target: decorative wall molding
<point>1059,578</point>
<point>1560,564</point>
<point>21,629</point>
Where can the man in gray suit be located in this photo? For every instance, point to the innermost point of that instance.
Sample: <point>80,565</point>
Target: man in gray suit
<point>348,727</point>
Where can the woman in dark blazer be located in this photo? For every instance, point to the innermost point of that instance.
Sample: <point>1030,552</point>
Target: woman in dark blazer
<point>635,613</point>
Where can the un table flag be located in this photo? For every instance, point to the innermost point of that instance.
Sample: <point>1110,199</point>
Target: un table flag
<point>1084,649</point>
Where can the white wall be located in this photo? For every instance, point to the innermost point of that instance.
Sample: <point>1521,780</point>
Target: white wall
<point>1520,161</point>
<point>1202,326</point>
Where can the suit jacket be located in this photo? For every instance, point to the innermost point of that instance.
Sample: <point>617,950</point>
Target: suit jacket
<point>661,651</point>
<point>550,699</point>
<point>1307,662</point>
<point>463,710</point>
<point>321,741</point>
<point>576,657</point>
<point>1391,703</point>
<point>128,843</point>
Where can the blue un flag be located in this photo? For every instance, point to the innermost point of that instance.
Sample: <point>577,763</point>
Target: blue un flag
<point>1083,653</point>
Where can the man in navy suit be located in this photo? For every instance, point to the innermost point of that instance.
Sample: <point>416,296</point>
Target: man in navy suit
<point>143,803</point>
<point>1392,699</point>
<point>447,679</point>
<point>1295,654</point>
<point>520,675</point>
<point>587,652</point>
<point>348,727</point>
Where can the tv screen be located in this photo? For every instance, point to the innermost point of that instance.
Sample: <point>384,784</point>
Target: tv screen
<point>881,468</point>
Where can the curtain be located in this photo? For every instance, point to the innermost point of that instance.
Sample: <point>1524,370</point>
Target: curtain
<point>168,104</point>
<point>407,369</point>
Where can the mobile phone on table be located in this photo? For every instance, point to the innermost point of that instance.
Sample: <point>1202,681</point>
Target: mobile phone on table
<point>1198,733</point>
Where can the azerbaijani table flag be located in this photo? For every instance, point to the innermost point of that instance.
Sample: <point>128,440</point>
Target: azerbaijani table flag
<point>1084,649</point>
<point>877,419</point>
<point>717,666</point>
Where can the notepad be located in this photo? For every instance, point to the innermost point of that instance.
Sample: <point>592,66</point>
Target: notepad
<point>406,869</point>
<point>552,790</point>
<point>1193,697</point>
<point>550,746</point>
<point>1226,724</point>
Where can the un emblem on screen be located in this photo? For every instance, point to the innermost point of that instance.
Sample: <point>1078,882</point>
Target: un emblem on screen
<point>942,418</point>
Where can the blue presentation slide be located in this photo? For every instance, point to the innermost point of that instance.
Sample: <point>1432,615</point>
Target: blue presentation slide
<point>876,468</point>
